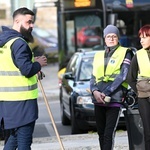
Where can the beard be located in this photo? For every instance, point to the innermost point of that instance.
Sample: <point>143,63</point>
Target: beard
<point>27,34</point>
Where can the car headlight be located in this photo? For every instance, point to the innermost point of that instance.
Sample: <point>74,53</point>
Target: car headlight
<point>84,100</point>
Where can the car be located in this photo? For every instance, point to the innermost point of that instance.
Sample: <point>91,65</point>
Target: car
<point>75,101</point>
<point>87,37</point>
<point>76,104</point>
<point>44,43</point>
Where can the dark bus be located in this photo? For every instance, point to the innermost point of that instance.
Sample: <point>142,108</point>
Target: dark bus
<point>81,22</point>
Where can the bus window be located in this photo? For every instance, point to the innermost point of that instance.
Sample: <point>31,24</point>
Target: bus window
<point>83,32</point>
<point>87,32</point>
<point>87,37</point>
<point>77,31</point>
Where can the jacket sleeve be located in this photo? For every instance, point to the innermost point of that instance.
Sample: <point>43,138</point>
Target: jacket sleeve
<point>93,86</point>
<point>22,58</point>
<point>122,76</point>
<point>132,74</point>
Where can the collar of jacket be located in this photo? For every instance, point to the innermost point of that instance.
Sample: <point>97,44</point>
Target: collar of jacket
<point>113,47</point>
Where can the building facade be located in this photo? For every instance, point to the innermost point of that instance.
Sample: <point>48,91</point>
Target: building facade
<point>7,7</point>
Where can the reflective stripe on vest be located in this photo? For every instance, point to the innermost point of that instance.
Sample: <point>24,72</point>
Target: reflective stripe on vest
<point>14,86</point>
<point>113,66</point>
<point>143,63</point>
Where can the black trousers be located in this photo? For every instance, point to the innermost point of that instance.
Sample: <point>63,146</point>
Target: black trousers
<point>144,110</point>
<point>107,120</point>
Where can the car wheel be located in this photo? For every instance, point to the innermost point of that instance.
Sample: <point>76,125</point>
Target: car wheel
<point>64,119</point>
<point>74,126</point>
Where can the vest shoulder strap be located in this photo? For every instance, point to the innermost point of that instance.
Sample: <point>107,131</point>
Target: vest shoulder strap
<point>10,42</point>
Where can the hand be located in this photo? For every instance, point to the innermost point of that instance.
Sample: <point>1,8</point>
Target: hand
<point>41,59</point>
<point>99,96</point>
<point>40,75</point>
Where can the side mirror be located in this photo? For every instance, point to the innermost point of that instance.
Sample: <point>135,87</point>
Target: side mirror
<point>68,75</point>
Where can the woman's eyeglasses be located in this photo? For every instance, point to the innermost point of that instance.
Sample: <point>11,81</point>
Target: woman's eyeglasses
<point>109,37</point>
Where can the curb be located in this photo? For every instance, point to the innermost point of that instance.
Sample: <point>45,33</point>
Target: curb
<point>87,141</point>
<point>78,142</point>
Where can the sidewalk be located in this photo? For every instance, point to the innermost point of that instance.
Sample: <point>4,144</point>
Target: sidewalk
<point>76,142</point>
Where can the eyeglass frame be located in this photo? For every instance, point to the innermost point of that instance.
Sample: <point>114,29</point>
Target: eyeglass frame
<point>111,37</point>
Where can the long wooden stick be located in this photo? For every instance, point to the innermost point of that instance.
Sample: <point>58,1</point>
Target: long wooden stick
<point>50,114</point>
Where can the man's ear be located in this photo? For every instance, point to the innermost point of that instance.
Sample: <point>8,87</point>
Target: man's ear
<point>17,20</point>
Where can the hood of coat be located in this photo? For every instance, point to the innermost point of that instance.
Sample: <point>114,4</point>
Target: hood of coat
<point>7,34</point>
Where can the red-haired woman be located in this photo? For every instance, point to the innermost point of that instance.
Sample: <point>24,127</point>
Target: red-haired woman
<point>139,79</point>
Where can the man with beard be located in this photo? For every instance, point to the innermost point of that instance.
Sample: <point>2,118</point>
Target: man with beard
<point>18,81</point>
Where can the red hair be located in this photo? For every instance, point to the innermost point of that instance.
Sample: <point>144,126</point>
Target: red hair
<point>144,30</point>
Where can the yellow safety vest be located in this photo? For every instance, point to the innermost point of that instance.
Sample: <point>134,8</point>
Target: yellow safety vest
<point>113,66</point>
<point>13,85</point>
<point>144,63</point>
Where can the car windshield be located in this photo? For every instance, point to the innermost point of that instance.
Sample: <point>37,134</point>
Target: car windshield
<point>86,69</point>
